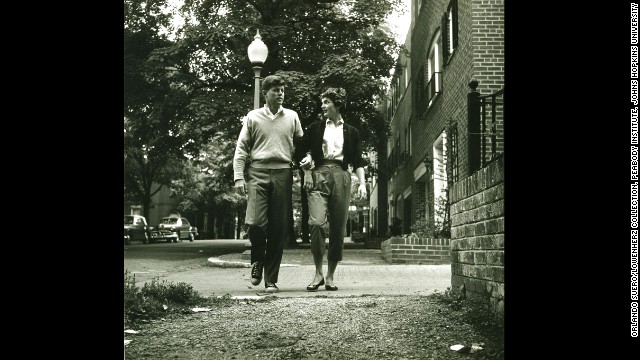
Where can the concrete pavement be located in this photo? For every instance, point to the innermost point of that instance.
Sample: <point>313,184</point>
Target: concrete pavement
<point>362,272</point>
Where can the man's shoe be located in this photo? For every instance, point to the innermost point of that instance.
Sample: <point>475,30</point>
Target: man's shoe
<point>256,272</point>
<point>270,287</point>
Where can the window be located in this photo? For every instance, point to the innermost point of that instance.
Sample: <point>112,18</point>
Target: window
<point>406,215</point>
<point>439,175</point>
<point>395,92</point>
<point>450,31</point>
<point>433,62</point>
<point>434,81</point>
<point>406,78</point>
<point>452,152</point>
<point>429,82</point>
<point>394,96</point>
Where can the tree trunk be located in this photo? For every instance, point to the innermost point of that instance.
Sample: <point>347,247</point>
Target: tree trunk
<point>238,227</point>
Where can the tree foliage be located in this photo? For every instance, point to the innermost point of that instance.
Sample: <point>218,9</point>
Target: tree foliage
<point>152,107</point>
<point>205,181</point>
<point>186,96</point>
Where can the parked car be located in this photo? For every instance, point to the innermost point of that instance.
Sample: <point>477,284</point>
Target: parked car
<point>135,228</point>
<point>174,228</point>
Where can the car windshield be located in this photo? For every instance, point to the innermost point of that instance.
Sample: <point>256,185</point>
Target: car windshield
<point>169,221</point>
<point>128,220</point>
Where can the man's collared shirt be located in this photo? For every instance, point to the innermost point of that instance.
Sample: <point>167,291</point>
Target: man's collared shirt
<point>272,116</point>
<point>333,140</point>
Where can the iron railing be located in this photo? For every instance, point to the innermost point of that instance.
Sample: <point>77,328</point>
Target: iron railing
<point>485,127</point>
<point>492,117</point>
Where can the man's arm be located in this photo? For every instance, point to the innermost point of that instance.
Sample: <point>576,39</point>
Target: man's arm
<point>243,149</point>
<point>303,150</point>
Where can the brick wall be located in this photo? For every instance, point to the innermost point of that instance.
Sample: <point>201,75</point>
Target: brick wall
<point>488,44</point>
<point>411,249</point>
<point>477,236</point>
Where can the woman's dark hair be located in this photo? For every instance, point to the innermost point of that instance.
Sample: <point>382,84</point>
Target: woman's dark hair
<point>337,95</point>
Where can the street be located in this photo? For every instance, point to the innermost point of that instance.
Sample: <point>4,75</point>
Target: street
<point>147,261</point>
<point>362,271</point>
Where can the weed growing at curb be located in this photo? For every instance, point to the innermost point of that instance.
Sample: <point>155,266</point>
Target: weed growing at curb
<point>158,299</point>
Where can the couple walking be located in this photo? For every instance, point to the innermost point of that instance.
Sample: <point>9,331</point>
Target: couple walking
<point>272,139</point>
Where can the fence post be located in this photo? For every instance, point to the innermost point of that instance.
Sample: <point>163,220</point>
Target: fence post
<point>473,127</point>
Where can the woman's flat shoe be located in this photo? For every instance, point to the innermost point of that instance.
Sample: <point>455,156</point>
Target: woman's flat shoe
<point>316,286</point>
<point>331,287</point>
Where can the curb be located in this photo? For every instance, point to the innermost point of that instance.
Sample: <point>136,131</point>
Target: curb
<point>217,262</point>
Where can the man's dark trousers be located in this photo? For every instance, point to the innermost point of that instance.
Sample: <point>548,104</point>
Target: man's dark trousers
<point>267,216</point>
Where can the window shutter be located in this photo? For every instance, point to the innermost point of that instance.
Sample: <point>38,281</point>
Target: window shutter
<point>445,39</point>
<point>454,13</point>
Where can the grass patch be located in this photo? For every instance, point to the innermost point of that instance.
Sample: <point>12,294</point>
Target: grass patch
<point>474,312</point>
<point>160,298</point>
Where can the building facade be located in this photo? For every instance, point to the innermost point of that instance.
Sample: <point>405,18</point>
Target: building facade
<point>445,166</point>
<point>450,43</point>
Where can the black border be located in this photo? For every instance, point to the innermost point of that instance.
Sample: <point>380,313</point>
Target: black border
<point>567,230</point>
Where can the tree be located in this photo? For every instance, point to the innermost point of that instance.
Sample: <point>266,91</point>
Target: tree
<point>151,154</point>
<point>314,44</point>
<point>202,82</point>
<point>204,184</point>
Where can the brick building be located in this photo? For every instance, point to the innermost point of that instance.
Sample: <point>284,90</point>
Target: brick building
<point>450,42</point>
<point>444,153</point>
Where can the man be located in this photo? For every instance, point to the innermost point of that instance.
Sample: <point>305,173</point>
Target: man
<point>267,139</point>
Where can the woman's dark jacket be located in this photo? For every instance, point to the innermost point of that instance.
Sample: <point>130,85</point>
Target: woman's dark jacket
<point>312,140</point>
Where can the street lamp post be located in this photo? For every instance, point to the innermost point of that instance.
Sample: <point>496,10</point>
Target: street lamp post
<point>257,55</point>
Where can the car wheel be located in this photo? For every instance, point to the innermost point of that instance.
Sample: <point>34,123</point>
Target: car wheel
<point>191,237</point>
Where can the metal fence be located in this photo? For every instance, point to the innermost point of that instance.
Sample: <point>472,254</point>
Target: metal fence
<point>485,127</point>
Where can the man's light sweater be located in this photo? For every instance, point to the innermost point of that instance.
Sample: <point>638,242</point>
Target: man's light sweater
<point>267,140</point>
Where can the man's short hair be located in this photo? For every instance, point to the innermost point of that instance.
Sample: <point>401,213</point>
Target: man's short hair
<point>337,95</point>
<point>272,81</point>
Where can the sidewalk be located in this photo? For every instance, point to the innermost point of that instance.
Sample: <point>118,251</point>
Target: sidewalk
<point>362,272</point>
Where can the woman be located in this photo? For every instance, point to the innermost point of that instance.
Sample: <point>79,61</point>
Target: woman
<point>331,146</point>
